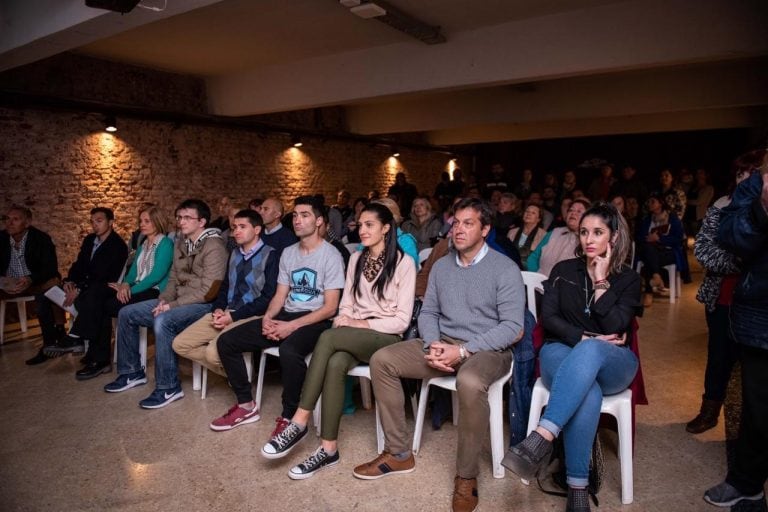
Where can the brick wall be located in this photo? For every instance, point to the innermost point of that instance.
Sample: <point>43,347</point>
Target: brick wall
<point>61,164</point>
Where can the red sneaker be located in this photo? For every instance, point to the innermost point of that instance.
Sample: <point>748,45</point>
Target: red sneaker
<point>280,424</point>
<point>235,417</point>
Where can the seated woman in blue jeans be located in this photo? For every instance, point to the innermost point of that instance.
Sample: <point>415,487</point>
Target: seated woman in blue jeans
<point>375,310</point>
<point>587,311</point>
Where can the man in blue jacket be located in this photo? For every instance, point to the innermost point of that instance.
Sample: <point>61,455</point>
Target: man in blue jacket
<point>744,232</point>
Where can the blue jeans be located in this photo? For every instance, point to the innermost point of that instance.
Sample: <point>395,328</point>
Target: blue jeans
<point>166,326</point>
<point>577,378</point>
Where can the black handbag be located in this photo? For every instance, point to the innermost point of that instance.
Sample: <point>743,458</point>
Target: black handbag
<point>413,328</point>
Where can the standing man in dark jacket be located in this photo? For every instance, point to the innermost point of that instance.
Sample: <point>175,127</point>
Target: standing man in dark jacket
<point>744,232</point>
<point>100,260</point>
<point>28,266</point>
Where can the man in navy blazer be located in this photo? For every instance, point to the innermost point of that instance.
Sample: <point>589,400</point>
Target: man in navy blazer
<point>101,260</point>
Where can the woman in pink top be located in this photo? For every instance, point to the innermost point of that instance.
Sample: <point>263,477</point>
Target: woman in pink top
<point>375,310</point>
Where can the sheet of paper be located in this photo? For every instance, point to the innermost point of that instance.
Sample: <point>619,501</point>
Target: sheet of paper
<point>58,296</point>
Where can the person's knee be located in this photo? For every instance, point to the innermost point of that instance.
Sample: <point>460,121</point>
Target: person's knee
<point>591,349</point>
<point>180,345</point>
<point>337,364</point>
<point>212,354</point>
<point>470,386</point>
<point>380,361</point>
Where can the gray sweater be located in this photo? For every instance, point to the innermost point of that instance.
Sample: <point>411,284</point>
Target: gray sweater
<point>482,305</point>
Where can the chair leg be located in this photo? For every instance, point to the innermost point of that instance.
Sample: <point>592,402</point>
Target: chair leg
<point>365,392</point>
<point>260,378</point>
<point>204,390</point>
<point>496,422</point>
<point>624,420</point>
<point>422,412</point>
<point>196,376</point>
<point>379,432</point>
<point>22,305</point>
<point>142,346</point>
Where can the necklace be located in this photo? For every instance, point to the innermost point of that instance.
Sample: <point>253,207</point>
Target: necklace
<point>588,299</point>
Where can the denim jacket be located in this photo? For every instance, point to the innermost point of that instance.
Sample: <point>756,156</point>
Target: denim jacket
<point>521,386</point>
<point>744,232</point>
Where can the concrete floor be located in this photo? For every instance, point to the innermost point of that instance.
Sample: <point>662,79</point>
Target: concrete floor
<point>66,445</point>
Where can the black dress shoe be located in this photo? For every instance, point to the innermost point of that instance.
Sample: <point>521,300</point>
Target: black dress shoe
<point>39,358</point>
<point>92,370</point>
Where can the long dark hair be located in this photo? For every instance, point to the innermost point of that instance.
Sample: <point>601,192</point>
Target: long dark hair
<point>392,253</point>
<point>620,240</point>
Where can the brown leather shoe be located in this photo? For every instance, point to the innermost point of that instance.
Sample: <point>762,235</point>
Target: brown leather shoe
<point>383,465</point>
<point>465,497</point>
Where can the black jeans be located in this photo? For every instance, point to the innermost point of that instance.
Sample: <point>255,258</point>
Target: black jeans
<point>722,353</point>
<point>96,306</point>
<point>654,258</point>
<point>751,467</point>
<point>247,337</point>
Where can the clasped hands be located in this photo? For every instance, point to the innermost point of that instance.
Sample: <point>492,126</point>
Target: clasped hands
<point>21,284</point>
<point>220,319</point>
<point>443,356</point>
<point>276,330</point>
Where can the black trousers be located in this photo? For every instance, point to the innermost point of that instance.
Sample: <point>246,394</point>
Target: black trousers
<point>96,306</point>
<point>750,470</point>
<point>654,258</point>
<point>247,337</point>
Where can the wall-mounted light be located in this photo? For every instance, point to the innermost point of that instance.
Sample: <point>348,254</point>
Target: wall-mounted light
<point>110,124</point>
<point>296,141</point>
<point>395,152</point>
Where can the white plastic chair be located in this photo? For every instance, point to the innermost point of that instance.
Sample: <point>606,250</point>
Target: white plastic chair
<point>22,306</point>
<point>275,352</point>
<point>247,357</point>
<point>496,421</point>
<point>424,254</point>
<point>533,283</point>
<point>618,406</point>
<point>675,280</point>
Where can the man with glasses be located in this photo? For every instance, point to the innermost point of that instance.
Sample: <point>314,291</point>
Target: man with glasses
<point>28,266</point>
<point>199,264</point>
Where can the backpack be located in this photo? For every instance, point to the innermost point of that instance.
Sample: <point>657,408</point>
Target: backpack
<point>556,470</point>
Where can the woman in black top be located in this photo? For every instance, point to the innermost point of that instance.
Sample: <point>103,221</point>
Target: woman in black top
<point>587,312</point>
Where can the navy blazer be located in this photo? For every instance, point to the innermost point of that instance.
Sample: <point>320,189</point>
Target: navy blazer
<point>105,266</point>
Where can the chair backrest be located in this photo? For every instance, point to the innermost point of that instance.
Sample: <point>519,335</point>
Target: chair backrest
<point>351,247</point>
<point>533,283</point>
<point>424,254</point>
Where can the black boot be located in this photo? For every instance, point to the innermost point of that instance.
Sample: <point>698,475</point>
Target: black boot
<point>578,500</point>
<point>707,418</point>
<point>528,456</point>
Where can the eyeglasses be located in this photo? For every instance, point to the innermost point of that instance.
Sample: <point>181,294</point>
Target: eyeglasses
<point>180,218</point>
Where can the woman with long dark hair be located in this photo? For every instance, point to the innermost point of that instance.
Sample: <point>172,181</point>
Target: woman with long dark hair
<point>375,310</point>
<point>587,312</point>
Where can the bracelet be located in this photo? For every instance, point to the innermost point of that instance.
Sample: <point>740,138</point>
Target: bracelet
<point>462,354</point>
